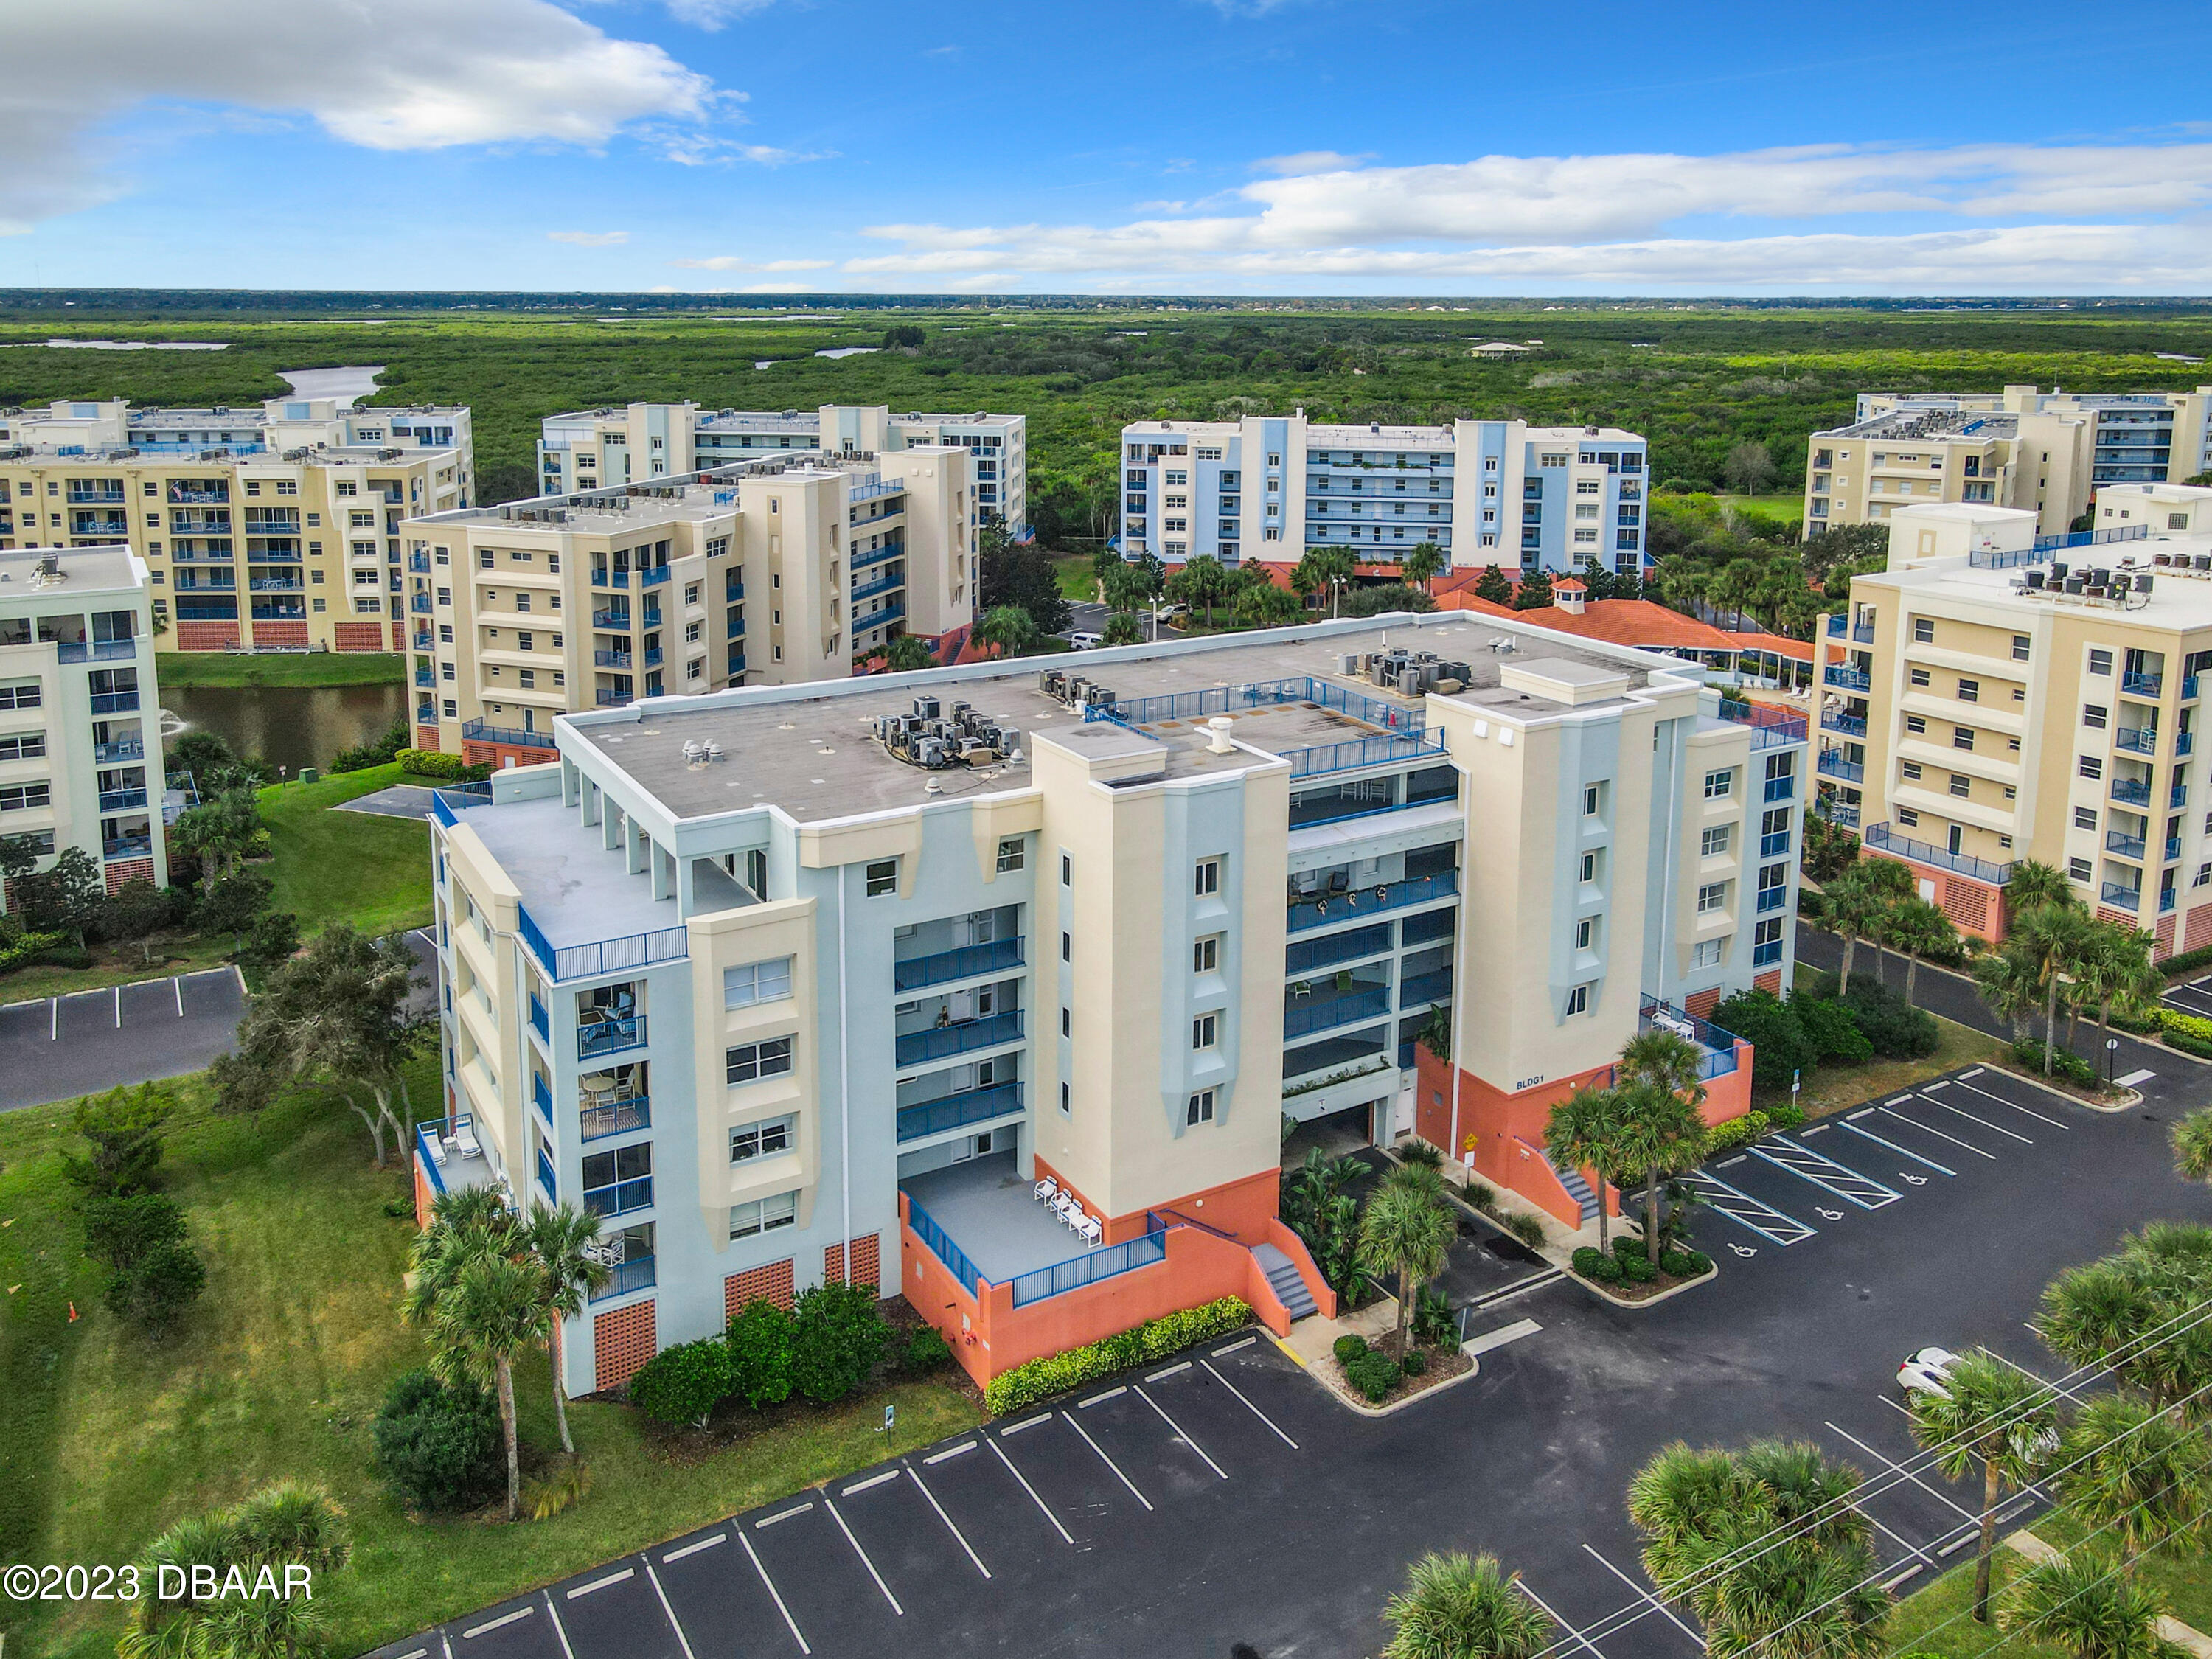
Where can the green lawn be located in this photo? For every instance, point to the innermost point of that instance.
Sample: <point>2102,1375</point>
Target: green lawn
<point>1072,570</point>
<point>1939,1620</point>
<point>278,1372</point>
<point>1831,1088</point>
<point>309,669</point>
<point>1791,507</point>
<point>2181,1576</point>
<point>347,866</point>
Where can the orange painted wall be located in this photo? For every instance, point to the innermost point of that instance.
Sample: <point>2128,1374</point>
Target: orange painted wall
<point>1243,1207</point>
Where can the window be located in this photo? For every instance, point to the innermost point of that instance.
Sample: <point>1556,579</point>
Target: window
<point>1919,677</point>
<point>1970,690</point>
<point>2085,818</point>
<point>2203,877</point>
<point>1916,725</point>
<point>764,1215</point>
<point>1066,1023</point>
<point>1067,947</point>
<point>1713,895</point>
<point>881,878</point>
<point>1962,737</point>
<point>1586,933</point>
<point>1720,785</point>
<point>1961,785</point>
<point>756,982</point>
<point>2091,767</point>
<point>1714,844</point>
<point>21,749</point>
<point>1589,867</point>
<point>1909,770</point>
<point>1204,1030</point>
<point>611,1169</point>
<point>2019,647</point>
<point>1206,954</point>
<point>1010,855</point>
<point>1199,1110</point>
<point>1067,870</point>
<point>1707,953</point>
<point>1066,1101</point>
<point>755,1060</point>
<point>20,696</point>
<point>1923,630</point>
<point>22,796</point>
<point>2093,715</point>
<point>2100,662</point>
<point>1578,1000</point>
<point>1592,799</point>
<point>763,1139</point>
<point>1207,879</point>
<point>1907,816</point>
<point>2078,869</point>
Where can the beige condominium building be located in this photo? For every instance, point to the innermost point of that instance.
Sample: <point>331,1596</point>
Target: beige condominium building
<point>760,573</point>
<point>993,984</point>
<point>593,448</point>
<point>275,526</point>
<point>1995,695</point>
<point>2043,452</point>
<point>80,716</point>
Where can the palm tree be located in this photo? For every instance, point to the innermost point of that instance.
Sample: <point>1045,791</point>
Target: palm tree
<point>1008,628</point>
<point>563,1239</point>
<point>2032,883</point>
<point>1406,1230</point>
<point>1891,883</point>
<point>2007,982</point>
<point>2078,1604</point>
<point>2056,938</point>
<point>1263,604</point>
<point>2115,967</point>
<point>1204,581</point>
<point>1583,1132</point>
<point>496,1307</point>
<point>2099,1315</point>
<point>1661,1133</point>
<point>2138,1473</point>
<point>1123,629</point>
<point>1988,1413</point>
<point>1853,903</point>
<point>907,652</point>
<point>1455,1607</point>
<point>290,1524</point>
<point>1421,565</point>
<point>1332,568</point>
<point>2193,1145</point>
<point>1916,928</point>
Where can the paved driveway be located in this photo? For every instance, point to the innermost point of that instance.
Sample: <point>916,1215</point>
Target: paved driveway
<point>59,1048</point>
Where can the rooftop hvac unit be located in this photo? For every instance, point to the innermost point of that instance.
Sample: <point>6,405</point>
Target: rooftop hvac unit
<point>2143,582</point>
<point>2059,570</point>
<point>925,707</point>
<point>2035,579</point>
<point>1349,663</point>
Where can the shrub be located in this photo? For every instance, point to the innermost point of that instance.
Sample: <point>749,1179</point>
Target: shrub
<point>124,1127</point>
<point>563,1489</point>
<point>121,1231</point>
<point>759,1340</point>
<point>925,1350</point>
<point>1420,1152</point>
<point>1480,1193</point>
<point>1041,1379</point>
<point>1414,1363</point>
<point>1374,1374</point>
<point>1780,1045</point>
<point>435,763</point>
<point>1595,1265</point>
<point>2065,1063</point>
<point>1434,1322</point>
<point>437,1447</point>
<point>1784,1114</point>
<point>1678,1263</point>
<point>1636,1270</point>
<point>1897,1029</point>
<point>2186,1032</point>
<point>25,946</point>
<point>837,1335</point>
<point>1348,1348</point>
<point>1585,1258</point>
<point>157,1289</point>
<point>683,1384</point>
<point>1528,1229</point>
<point>1738,1132</point>
<point>1833,1032</point>
<point>364,756</point>
<point>2188,962</point>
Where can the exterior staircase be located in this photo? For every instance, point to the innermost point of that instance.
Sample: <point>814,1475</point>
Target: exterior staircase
<point>1284,1278</point>
<point>1579,1190</point>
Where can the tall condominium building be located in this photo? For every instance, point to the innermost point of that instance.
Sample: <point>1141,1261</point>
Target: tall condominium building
<point>80,718</point>
<point>270,526</point>
<point>2043,452</point>
<point>993,984</point>
<point>1995,695</point>
<point>597,447</point>
<point>763,572</point>
<point>1483,492</point>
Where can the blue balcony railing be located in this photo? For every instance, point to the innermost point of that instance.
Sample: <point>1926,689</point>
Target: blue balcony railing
<point>882,617</point>
<point>2184,742</point>
<point>1719,1046</point>
<point>2178,796</point>
<point>861,561</point>
<point>634,1272</point>
<point>956,1111</point>
<point>548,1181</point>
<point>943,1042</point>
<point>611,658</point>
<point>1920,852</point>
<point>2127,845</point>
<point>1841,625</point>
<point>1422,989</point>
<point>420,604</point>
<point>621,1197</point>
<point>513,736</point>
<point>1325,1014</point>
<point>1833,765</point>
<point>419,563</point>
<point>2073,539</point>
<point>610,1036</point>
<point>424,1158</point>
<point>654,577</point>
<point>601,958</point>
<point>2128,898</point>
<point>1851,725</point>
<point>955,1259</point>
<point>615,1117</point>
<point>127,847</point>
<point>2166,899</point>
<point>2189,688</point>
<point>944,967</point>
<point>424,679</point>
<point>114,702</point>
<point>2139,740</point>
<point>1836,811</point>
<point>1330,910</point>
<point>1307,955</point>
<point>1142,1251</point>
<point>2131,791</point>
<point>123,749</point>
<point>610,578</point>
<point>541,1095</point>
<point>448,803</point>
<point>1355,752</point>
<point>2172,850</point>
<point>883,584</point>
<point>538,1022</point>
<point>97,650</point>
<point>1771,728</point>
<point>121,800</point>
<point>613,621</point>
<point>1847,679</point>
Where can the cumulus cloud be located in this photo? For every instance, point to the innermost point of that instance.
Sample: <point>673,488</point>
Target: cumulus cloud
<point>589,238</point>
<point>733,262</point>
<point>401,74</point>
<point>1630,221</point>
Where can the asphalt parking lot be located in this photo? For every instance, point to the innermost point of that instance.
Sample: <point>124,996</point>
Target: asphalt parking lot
<point>57,1047</point>
<point>1223,1498</point>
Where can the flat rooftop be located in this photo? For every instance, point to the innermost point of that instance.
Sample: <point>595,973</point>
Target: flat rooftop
<point>1930,425</point>
<point>2176,600</point>
<point>710,492</point>
<point>575,889</point>
<point>811,751</point>
<point>84,570</point>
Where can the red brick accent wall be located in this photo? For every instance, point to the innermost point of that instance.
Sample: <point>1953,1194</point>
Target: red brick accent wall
<point>123,872</point>
<point>1967,902</point>
<point>2164,934</point>
<point>867,1268</point>
<point>426,736</point>
<point>357,636</point>
<point>1770,982</point>
<point>768,1284</point>
<point>399,636</point>
<point>280,632</point>
<point>2197,928</point>
<point>622,1341</point>
<point>1702,1003</point>
<point>2117,918</point>
<point>205,635</point>
<point>497,755</point>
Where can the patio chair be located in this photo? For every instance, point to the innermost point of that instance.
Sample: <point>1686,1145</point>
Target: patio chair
<point>1044,1190</point>
<point>1066,1209</point>
<point>436,1143</point>
<point>1092,1229</point>
<point>465,1139</point>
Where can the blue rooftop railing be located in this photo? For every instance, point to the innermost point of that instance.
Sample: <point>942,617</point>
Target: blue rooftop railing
<point>600,957</point>
<point>1145,1250</point>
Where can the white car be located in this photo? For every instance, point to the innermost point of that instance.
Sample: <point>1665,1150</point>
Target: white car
<point>1084,641</point>
<point>1927,1370</point>
<point>1170,612</point>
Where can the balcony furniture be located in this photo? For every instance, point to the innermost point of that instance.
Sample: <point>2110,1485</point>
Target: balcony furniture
<point>1091,1230</point>
<point>465,1136</point>
<point>1044,1190</point>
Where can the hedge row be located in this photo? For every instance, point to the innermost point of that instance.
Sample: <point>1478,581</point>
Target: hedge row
<point>1743,1130</point>
<point>1156,1339</point>
<point>26,945</point>
<point>2186,1032</point>
<point>2064,1062</point>
<point>436,763</point>
<point>2187,963</point>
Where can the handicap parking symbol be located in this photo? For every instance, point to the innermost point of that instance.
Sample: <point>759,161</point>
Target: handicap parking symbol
<point>1743,1249</point>
<point>1917,1180</point>
<point>1829,1214</point>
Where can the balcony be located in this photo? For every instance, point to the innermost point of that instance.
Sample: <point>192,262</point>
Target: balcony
<point>1832,764</point>
<point>1919,851</point>
<point>2184,742</point>
<point>610,1036</point>
<point>185,493</point>
<point>1773,899</point>
<point>2127,845</point>
<point>127,847</point>
<point>631,1274</point>
<point>420,605</point>
<point>2128,898</point>
<point>945,967</point>
<point>538,1022</point>
<point>614,621</point>
<point>1836,811</point>
<point>615,1116</point>
<point>1785,788</point>
<point>1851,725</point>
<point>618,1200</point>
<point>861,561</point>
<point>2189,688</point>
<point>114,702</point>
<point>2139,740</point>
<point>1847,678</point>
<point>611,658</point>
<point>97,650</point>
<point>654,577</point>
<point>612,699</point>
<point>1718,1046</point>
<point>599,958</point>
<point>121,800</point>
<point>100,523</point>
<point>652,656</point>
<point>895,611</point>
<point>2141,685</point>
<point>541,1095</point>
<point>944,1041</point>
<point>450,1158</point>
<point>1840,627</point>
<point>1771,728</point>
<point>1331,909</point>
<point>2166,900</point>
<point>1309,955</point>
<point>2179,795</point>
<point>1303,1019</point>
<point>933,1117</point>
<point>506,735</point>
<point>610,579</point>
<point>883,584</point>
<point>80,493</point>
<point>123,749</point>
<point>2131,791</point>
<point>1421,989</point>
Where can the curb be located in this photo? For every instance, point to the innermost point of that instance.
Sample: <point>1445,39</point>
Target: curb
<point>1667,1295</point>
<point>2130,1099</point>
<point>1329,1388</point>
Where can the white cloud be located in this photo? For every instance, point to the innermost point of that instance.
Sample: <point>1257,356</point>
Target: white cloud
<point>712,15</point>
<point>1310,161</point>
<point>732,262</point>
<point>1987,217</point>
<point>589,238</point>
<point>400,75</point>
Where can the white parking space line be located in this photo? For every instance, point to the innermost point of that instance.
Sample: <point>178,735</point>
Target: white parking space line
<point>1252,1408</point>
<point>447,1641</point>
<point>1895,1468</point>
<point>1927,1129</point>
<point>1957,1111</point>
<point>949,1453</point>
<point>2133,1078</point>
<point>1826,1173</point>
<point>863,1554</point>
<point>1648,1598</point>
<point>601,1582</point>
<point>1550,1613</point>
<point>1901,1151</point>
<point>1242,1342</point>
<point>177,984</point>
<point>706,1543</point>
<point>872,1481</point>
<point>781,1515</point>
<point>54,1019</point>
<point>559,1628</point>
<point>1100,1399</point>
<point>1042,1508</point>
<point>419,1653</point>
<point>790,1623</point>
<point>2055,1388</point>
<point>1500,1337</point>
<point>1026,1423</point>
<point>1171,1370</point>
<point>1910,1547</point>
<point>119,1007</point>
<point>1108,1462</point>
<point>1182,1434</point>
<point>1740,1207</point>
<point>959,1537</point>
<point>504,1619</point>
<point>2001,1101</point>
<point>682,1641</point>
<point>1890,1583</point>
<point>1519,1287</point>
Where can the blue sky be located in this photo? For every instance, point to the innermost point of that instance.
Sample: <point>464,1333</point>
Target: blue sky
<point>1300,146</point>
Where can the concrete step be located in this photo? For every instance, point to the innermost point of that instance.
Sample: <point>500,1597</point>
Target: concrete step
<point>1288,1284</point>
